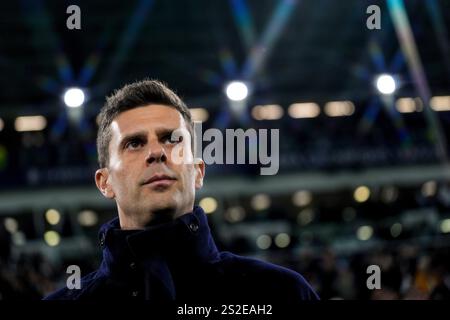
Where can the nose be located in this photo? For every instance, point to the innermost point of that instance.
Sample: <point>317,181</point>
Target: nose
<point>156,153</point>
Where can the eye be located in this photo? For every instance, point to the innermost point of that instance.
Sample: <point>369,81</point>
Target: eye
<point>168,139</point>
<point>134,144</point>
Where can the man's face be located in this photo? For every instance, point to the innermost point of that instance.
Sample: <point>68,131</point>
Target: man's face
<point>142,177</point>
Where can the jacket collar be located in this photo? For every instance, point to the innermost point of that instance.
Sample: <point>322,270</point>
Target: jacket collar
<point>187,239</point>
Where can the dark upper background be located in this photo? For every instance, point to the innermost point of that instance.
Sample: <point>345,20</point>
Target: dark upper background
<point>290,51</point>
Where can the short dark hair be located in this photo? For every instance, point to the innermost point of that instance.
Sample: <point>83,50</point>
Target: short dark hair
<point>130,96</point>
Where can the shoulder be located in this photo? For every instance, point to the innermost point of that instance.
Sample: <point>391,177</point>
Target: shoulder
<point>272,276</point>
<point>86,282</point>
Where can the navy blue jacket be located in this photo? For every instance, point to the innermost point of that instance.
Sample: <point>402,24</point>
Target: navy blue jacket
<point>180,261</point>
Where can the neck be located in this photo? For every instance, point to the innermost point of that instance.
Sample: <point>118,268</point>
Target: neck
<point>142,221</point>
<point>175,242</point>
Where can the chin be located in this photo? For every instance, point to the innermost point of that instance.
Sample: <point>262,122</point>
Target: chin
<point>161,202</point>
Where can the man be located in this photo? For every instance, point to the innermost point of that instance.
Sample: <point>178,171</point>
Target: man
<point>160,247</point>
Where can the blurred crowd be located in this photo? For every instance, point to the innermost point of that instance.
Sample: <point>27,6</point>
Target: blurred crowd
<point>407,272</point>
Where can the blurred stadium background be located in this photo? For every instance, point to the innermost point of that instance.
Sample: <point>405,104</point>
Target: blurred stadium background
<point>363,173</point>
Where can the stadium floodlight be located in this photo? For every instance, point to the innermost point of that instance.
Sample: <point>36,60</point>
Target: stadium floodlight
<point>74,97</point>
<point>236,90</point>
<point>386,84</point>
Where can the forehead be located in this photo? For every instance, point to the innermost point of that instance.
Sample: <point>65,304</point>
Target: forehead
<point>146,118</point>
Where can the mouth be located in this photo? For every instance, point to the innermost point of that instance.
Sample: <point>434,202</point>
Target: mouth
<point>160,180</point>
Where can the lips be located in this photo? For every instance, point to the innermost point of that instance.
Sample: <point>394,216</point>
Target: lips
<point>159,178</point>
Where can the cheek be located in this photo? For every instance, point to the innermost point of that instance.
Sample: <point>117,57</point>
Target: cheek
<point>188,177</point>
<point>122,180</point>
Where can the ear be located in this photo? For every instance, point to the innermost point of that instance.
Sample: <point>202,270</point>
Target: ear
<point>199,167</point>
<point>102,182</point>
